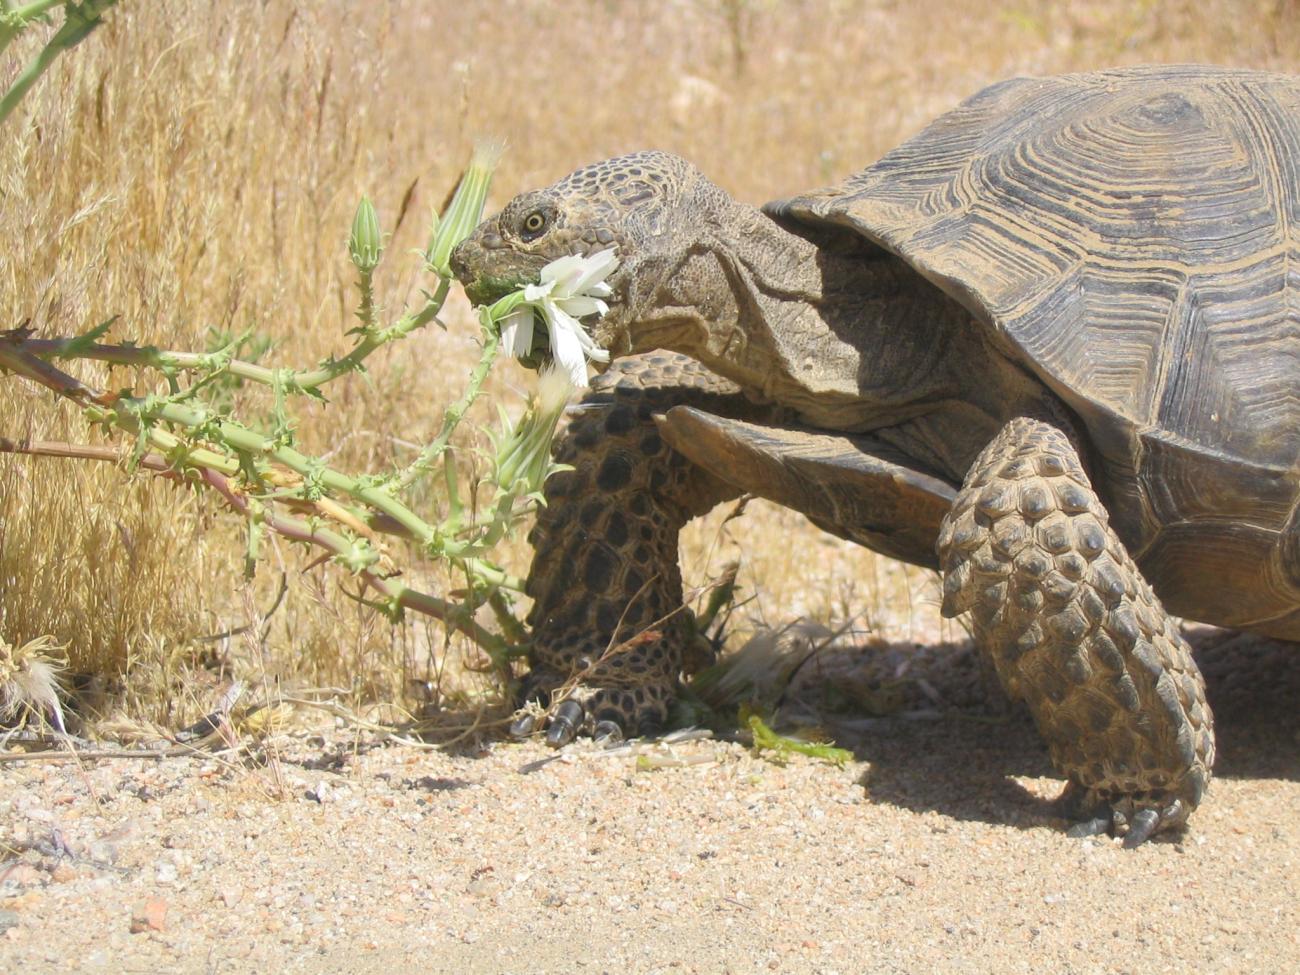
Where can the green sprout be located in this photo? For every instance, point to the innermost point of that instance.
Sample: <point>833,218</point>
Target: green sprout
<point>782,747</point>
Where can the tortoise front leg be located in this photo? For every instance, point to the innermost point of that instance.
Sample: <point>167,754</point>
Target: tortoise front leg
<point>1073,629</point>
<point>609,633</point>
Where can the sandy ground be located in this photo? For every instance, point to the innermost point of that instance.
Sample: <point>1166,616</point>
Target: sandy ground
<point>936,850</point>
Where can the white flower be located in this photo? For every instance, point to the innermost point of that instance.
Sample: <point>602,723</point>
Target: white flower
<point>568,289</point>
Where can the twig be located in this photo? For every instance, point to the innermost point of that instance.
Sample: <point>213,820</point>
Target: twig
<point>60,755</point>
<point>295,529</point>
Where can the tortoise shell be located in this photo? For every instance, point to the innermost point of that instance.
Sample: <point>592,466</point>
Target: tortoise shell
<point>1132,237</point>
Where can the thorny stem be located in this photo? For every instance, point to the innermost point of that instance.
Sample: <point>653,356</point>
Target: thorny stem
<point>79,20</point>
<point>292,380</point>
<point>514,633</point>
<point>452,417</point>
<point>295,529</point>
<point>135,415</point>
<point>362,521</point>
<point>397,594</point>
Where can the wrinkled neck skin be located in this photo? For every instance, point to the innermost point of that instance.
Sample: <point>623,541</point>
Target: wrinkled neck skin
<point>848,342</point>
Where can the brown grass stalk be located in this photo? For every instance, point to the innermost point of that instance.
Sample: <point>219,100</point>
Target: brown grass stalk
<point>194,166</point>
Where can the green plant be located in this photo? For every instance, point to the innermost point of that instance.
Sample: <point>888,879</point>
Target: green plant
<point>184,426</point>
<point>79,19</point>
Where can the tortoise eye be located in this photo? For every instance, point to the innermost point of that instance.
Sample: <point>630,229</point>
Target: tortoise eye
<point>533,225</point>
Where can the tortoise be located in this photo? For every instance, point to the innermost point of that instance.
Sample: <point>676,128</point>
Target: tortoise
<point>1050,347</point>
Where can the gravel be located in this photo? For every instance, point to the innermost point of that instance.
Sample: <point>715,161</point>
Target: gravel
<point>936,850</point>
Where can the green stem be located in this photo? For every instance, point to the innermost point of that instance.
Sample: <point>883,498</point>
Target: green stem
<point>79,21</point>
<point>372,340</point>
<point>398,594</point>
<point>15,20</point>
<point>241,438</point>
<point>505,617</point>
<point>451,419</point>
<point>131,412</point>
<point>291,380</point>
<point>366,308</point>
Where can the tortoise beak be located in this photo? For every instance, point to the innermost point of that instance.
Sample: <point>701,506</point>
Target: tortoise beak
<point>466,260</point>
<point>490,269</point>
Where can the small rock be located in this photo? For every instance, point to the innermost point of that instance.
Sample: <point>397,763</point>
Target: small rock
<point>166,873</point>
<point>23,875</point>
<point>8,919</point>
<point>63,873</point>
<point>150,916</point>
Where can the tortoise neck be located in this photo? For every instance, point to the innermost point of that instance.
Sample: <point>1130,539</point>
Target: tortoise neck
<point>831,334</point>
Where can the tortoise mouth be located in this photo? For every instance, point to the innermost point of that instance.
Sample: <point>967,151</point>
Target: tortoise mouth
<point>491,288</point>
<point>539,354</point>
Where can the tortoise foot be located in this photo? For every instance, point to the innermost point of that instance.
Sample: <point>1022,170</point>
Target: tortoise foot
<point>565,709</point>
<point>1136,817</point>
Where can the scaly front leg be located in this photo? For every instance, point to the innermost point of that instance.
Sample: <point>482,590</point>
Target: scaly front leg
<point>609,630</point>
<point>1073,629</point>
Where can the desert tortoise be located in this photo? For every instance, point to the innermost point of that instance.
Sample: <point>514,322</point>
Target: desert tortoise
<point>1050,346</point>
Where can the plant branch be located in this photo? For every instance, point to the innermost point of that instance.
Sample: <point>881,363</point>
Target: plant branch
<point>292,380</point>
<point>79,21</point>
<point>397,594</point>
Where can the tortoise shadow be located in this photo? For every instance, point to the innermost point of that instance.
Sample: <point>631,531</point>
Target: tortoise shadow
<point>953,745</point>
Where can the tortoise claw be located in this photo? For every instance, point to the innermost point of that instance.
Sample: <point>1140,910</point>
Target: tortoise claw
<point>565,723</point>
<point>1117,817</point>
<point>523,726</point>
<point>1145,822</point>
<point>1096,826</point>
<point>607,733</point>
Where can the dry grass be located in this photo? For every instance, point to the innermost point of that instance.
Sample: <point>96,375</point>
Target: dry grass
<point>194,166</point>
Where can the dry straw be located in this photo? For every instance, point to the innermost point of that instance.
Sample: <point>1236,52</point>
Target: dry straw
<point>193,168</point>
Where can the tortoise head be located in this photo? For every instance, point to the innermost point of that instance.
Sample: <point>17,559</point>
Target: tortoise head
<point>647,206</point>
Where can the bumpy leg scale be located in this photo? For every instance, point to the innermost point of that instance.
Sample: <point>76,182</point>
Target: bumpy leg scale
<point>1074,630</point>
<point>609,631</point>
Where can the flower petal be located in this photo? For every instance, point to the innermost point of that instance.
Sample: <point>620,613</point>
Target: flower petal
<point>580,306</point>
<point>596,268</point>
<point>563,271</point>
<point>566,344</point>
<point>517,332</point>
<point>538,292</point>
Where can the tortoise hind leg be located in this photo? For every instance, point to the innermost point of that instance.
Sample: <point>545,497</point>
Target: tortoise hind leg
<point>1074,630</point>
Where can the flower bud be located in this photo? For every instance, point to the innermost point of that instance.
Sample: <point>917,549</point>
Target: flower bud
<point>366,243</point>
<point>465,210</point>
<point>523,456</point>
